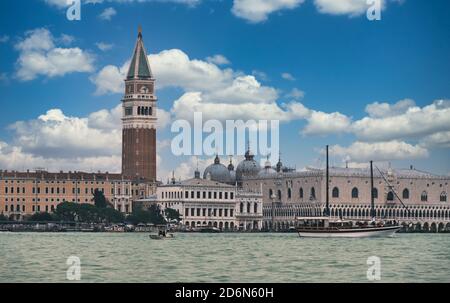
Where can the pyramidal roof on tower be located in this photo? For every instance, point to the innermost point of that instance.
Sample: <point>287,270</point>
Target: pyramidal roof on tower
<point>139,67</point>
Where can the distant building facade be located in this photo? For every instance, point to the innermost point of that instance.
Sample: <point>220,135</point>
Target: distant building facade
<point>208,203</point>
<point>287,195</point>
<point>26,193</point>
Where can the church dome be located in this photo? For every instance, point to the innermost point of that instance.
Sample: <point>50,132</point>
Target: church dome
<point>217,172</point>
<point>267,170</point>
<point>248,167</point>
<point>233,177</point>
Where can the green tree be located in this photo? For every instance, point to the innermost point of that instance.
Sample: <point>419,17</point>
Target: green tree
<point>67,211</point>
<point>42,217</point>
<point>156,216</point>
<point>88,213</point>
<point>152,215</point>
<point>110,215</point>
<point>100,199</point>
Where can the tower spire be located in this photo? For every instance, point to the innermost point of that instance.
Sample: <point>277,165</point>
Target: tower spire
<point>139,67</point>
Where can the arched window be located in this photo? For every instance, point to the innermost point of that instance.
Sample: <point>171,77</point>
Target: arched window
<point>301,193</point>
<point>424,196</point>
<point>279,194</point>
<point>248,207</point>
<point>443,197</point>
<point>405,194</point>
<point>242,208</point>
<point>289,193</point>
<point>255,208</point>
<point>375,193</point>
<point>390,196</point>
<point>313,194</point>
<point>139,110</point>
<point>335,193</point>
<point>150,111</point>
<point>270,193</point>
<point>355,192</point>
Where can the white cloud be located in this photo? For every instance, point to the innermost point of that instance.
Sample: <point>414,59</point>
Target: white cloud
<point>439,140</point>
<point>174,68</point>
<point>320,123</point>
<point>187,104</point>
<point>218,60</point>
<point>108,13</point>
<point>287,76</point>
<point>343,7</point>
<point>57,141</point>
<point>110,79</point>
<point>56,135</point>
<point>360,152</point>
<point>382,110</point>
<point>14,158</point>
<point>104,46</point>
<point>410,122</point>
<point>57,3</point>
<point>39,56</point>
<point>256,11</point>
<point>295,93</point>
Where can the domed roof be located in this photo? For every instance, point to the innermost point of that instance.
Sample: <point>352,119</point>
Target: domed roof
<point>233,177</point>
<point>248,167</point>
<point>217,172</point>
<point>267,170</point>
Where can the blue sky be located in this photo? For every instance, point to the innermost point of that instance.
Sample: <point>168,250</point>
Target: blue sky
<point>370,89</point>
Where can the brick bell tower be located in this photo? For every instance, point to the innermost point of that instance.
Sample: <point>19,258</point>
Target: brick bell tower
<point>139,118</point>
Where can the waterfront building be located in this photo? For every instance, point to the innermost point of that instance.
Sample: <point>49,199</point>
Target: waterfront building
<point>26,193</point>
<point>205,202</point>
<point>289,194</point>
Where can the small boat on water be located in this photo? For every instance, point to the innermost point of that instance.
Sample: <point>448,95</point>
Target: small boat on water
<point>162,237</point>
<point>326,227</point>
<point>209,229</point>
<point>162,234</point>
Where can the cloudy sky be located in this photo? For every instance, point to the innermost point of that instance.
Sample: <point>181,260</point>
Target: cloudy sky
<point>371,90</point>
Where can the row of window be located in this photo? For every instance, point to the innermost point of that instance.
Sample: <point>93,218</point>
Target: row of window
<point>255,208</point>
<point>355,194</point>
<point>141,111</point>
<point>57,190</point>
<point>312,194</point>
<point>21,208</point>
<point>197,195</point>
<point>57,182</point>
<point>210,212</point>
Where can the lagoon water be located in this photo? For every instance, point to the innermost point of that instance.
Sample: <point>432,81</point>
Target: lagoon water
<point>259,257</point>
